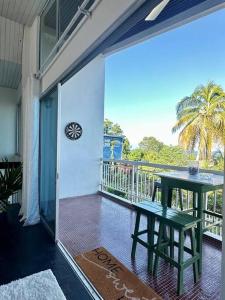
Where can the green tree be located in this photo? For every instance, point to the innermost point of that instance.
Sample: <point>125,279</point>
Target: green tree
<point>126,148</point>
<point>201,120</point>
<point>173,155</point>
<point>150,144</point>
<point>108,126</point>
<point>116,129</point>
<point>154,151</point>
<point>112,128</point>
<point>168,155</point>
<point>136,155</point>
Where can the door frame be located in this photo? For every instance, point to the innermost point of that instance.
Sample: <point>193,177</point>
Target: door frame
<point>58,152</point>
<point>56,88</point>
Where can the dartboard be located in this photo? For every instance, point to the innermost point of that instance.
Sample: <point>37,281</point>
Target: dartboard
<point>73,131</point>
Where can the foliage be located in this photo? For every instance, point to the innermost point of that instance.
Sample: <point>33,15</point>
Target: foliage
<point>136,155</point>
<point>112,128</point>
<point>116,192</point>
<point>216,163</point>
<point>150,144</point>
<point>126,148</point>
<point>201,120</point>
<point>10,182</point>
<point>152,150</point>
<point>173,155</point>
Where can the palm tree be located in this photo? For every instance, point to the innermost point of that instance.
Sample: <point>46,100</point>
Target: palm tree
<point>201,120</point>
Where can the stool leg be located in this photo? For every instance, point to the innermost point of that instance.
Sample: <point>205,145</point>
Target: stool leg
<point>194,252</point>
<point>151,228</point>
<point>180,284</point>
<point>165,238</point>
<point>194,204</point>
<point>134,245</point>
<point>171,242</point>
<point>181,199</point>
<point>159,240</point>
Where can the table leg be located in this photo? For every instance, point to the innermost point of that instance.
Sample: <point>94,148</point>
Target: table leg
<point>200,229</point>
<point>170,197</point>
<point>166,198</point>
<point>150,236</point>
<point>164,194</point>
<point>166,201</point>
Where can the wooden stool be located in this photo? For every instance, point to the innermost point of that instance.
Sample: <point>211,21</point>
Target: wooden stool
<point>148,209</point>
<point>183,223</point>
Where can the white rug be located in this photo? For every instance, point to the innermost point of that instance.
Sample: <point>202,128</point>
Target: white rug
<point>39,286</point>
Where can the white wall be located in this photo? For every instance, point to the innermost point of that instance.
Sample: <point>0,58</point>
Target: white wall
<point>82,101</point>
<point>8,107</point>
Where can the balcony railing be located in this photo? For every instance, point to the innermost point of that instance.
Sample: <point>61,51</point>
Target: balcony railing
<point>135,181</point>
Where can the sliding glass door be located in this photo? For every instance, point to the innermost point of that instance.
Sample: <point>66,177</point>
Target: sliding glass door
<point>48,160</point>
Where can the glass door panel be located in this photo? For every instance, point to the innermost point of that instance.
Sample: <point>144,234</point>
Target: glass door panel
<point>48,30</point>
<point>48,160</point>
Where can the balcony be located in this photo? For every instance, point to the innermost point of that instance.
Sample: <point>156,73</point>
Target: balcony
<point>135,181</point>
<point>108,219</point>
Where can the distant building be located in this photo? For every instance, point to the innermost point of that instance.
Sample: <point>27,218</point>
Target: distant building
<point>113,146</point>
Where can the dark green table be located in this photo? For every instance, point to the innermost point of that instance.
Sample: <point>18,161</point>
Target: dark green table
<point>199,184</point>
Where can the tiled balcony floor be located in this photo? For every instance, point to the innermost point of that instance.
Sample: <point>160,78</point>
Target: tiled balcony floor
<point>89,222</point>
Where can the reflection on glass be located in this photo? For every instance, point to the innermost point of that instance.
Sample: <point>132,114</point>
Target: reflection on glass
<point>48,31</point>
<point>54,21</point>
<point>48,156</point>
<point>67,10</point>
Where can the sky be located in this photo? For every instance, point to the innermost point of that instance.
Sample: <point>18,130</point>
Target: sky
<point>144,82</point>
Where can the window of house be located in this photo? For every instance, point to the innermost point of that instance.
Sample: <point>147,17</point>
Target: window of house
<point>54,21</point>
<point>48,31</point>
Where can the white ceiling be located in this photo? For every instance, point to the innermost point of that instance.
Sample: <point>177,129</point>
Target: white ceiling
<point>21,11</point>
<point>11,39</point>
<point>14,14</point>
<point>11,43</point>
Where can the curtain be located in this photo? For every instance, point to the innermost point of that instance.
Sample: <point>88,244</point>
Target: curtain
<point>30,126</point>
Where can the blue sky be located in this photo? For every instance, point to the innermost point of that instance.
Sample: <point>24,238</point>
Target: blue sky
<point>144,82</point>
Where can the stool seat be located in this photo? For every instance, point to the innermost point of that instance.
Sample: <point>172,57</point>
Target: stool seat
<point>148,207</point>
<point>169,215</point>
<point>176,218</point>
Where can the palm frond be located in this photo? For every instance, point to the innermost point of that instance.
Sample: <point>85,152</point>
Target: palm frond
<point>201,118</point>
<point>10,182</point>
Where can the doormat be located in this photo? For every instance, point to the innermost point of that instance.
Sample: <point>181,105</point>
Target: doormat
<point>111,278</point>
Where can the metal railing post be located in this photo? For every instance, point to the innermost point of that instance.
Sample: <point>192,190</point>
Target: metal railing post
<point>101,175</point>
<point>132,183</point>
<point>137,185</point>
